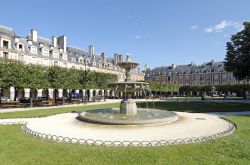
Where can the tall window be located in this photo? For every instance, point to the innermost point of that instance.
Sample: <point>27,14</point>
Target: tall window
<point>33,61</point>
<point>5,54</point>
<point>20,57</point>
<point>55,63</point>
<point>45,62</point>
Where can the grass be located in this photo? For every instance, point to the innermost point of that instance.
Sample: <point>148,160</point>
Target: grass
<point>198,107</point>
<point>53,111</point>
<point>19,148</point>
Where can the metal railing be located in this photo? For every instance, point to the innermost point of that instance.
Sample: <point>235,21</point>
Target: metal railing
<point>231,128</point>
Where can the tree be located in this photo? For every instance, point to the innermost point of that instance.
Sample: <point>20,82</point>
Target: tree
<point>35,77</point>
<point>238,55</point>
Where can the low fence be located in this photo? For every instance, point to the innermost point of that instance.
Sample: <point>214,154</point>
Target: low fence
<point>231,128</point>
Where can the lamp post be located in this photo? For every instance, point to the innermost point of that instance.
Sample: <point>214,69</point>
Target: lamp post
<point>85,77</point>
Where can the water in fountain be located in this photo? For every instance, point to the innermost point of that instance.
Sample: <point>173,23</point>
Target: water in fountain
<point>128,114</point>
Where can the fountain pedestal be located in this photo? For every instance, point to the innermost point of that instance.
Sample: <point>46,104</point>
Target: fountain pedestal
<point>128,107</point>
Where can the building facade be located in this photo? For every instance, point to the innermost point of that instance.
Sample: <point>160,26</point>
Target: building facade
<point>210,73</point>
<point>33,49</point>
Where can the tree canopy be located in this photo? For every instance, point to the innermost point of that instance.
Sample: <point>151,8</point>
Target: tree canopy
<point>238,54</point>
<point>17,74</point>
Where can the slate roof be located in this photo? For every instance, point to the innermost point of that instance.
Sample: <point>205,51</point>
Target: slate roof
<point>187,69</point>
<point>72,51</point>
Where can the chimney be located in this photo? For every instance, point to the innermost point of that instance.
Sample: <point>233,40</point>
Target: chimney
<point>120,58</point>
<point>115,58</point>
<point>103,56</point>
<point>173,66</point>
<point>54,41</point>
<point>91,50</point>
<point>62,42</point>
<point>33,35</point>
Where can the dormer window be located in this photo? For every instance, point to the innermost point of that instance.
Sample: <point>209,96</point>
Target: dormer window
<point>33,50</point>
<point>41,45</point>
<point>55,54</point>
<point>29,42</point>
<point>63,56</point>
<point>20,47</point>
<point>6,44</point>
<point>45,52</point>
<point>73,59</point>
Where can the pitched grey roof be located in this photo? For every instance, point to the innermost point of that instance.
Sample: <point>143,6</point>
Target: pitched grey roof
<point>189,68</point>
<point>7,31</point>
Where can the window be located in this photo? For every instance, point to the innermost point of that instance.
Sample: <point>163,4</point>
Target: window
<point>55,54</point>
<point>33,61</point>
<point>45,52</point>
<point>20,57</point>
<point>73,59</point>
<point>5,54</point>
<point>55,63</point>
<point>33,50</point>
<point>20,47</point>
<point>45,62</point>
<point>6,44</point>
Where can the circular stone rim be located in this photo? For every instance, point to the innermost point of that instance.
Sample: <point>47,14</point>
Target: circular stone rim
<point>124,122</point>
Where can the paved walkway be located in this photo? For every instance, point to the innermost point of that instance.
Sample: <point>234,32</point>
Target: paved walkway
<point>108,101</point>
<point>243,113</point>
<point>188,126</point>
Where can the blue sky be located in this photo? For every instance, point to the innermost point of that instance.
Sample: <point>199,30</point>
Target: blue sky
<point>155,32</point>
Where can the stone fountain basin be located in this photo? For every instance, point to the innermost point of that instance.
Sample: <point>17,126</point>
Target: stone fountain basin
<point>113,117</point>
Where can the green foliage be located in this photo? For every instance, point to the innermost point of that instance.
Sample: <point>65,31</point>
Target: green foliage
<point>163,87</point>
<point>238,54</point>
<point>17,74</point>
<point>238,88</point>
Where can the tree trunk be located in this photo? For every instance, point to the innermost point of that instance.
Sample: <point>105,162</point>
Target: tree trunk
<point>15,93</point>
<point>244,90</point>
<point>63,98</point>
<point>31,98</point>
<point>55,92</point>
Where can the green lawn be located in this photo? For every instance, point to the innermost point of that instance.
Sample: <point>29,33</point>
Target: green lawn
<point>197,107</point>
<point>53,111</point>
<point>19,148</point>
<point>171,106</point>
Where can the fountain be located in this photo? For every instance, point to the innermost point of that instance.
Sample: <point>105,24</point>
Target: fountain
<point>128,105</point>
<point>128,114</point>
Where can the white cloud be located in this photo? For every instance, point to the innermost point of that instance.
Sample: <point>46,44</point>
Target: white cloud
<point>137,36</point>
<point>194,27</point>
<point>209,30</point>
<point>221,26</point>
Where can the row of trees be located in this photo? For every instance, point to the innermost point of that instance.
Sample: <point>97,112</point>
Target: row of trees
<point>19,75</point>
<point>238,89</point>
<point>163,87</point>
